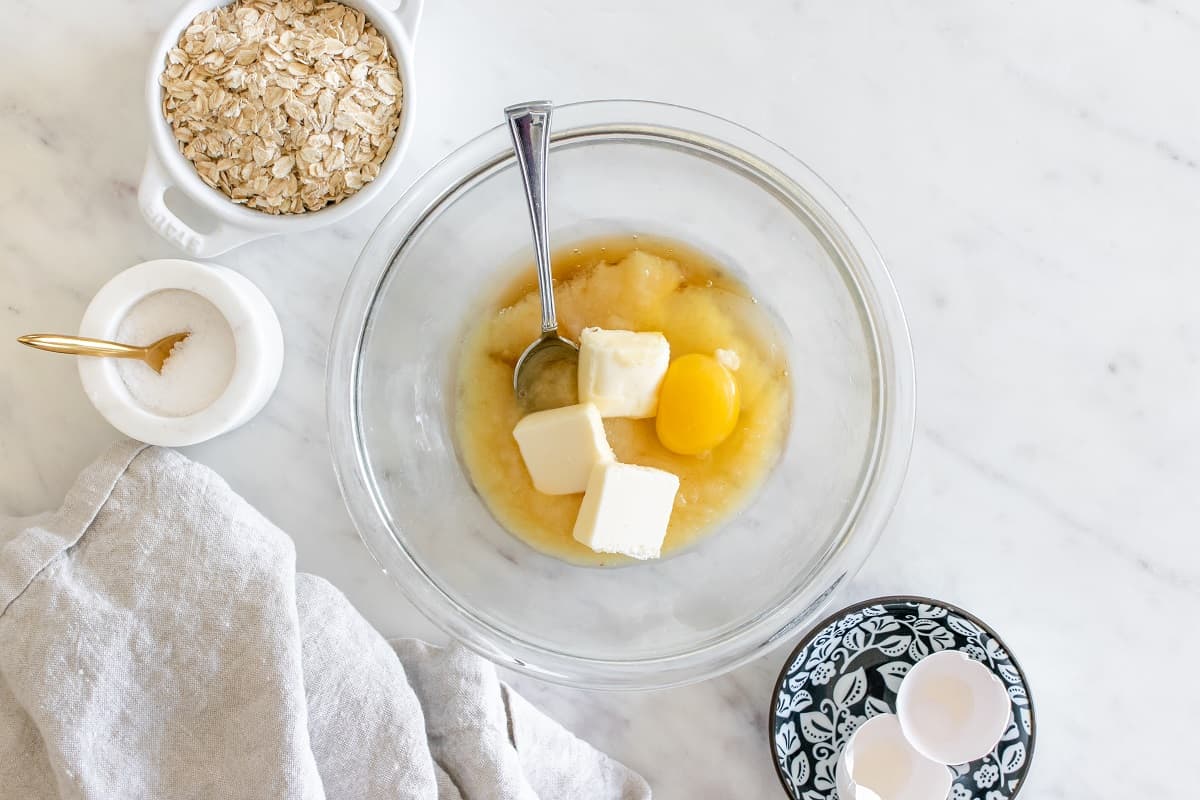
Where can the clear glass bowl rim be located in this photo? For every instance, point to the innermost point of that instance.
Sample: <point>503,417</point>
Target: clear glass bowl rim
<point>895,385</point>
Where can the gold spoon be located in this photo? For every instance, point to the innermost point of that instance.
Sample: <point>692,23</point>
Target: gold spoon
<point>154,355</point>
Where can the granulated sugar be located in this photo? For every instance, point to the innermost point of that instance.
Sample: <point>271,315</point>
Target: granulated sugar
<point>200,366</point>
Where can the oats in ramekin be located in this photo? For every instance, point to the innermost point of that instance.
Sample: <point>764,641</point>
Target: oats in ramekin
<point>285,106</point>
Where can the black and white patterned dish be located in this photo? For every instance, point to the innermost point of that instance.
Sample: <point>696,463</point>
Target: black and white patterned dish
<point>849,668</point>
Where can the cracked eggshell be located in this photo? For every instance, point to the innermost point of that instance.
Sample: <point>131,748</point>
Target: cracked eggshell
<point>952,708</point>
<point>878,763</point>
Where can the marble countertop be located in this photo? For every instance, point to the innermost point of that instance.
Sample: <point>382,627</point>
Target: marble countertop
<point>1031,173</point>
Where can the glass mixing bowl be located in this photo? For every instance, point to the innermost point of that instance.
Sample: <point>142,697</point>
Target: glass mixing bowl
<point>622,167</point>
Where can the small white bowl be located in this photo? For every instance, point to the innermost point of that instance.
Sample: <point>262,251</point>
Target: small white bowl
<point>233,225</point>
<point>256,334</point>
<point>952,708</point>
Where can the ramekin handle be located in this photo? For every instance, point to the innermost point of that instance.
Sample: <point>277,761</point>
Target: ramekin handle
<point>409,14</point>
<point>152,202</point>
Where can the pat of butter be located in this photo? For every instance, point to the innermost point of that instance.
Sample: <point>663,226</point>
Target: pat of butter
<point>621,371</point>
<point>626,509</point>
<point>560,447</point>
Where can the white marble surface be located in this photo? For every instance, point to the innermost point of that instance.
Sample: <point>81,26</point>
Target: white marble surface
<point>1030,172</point>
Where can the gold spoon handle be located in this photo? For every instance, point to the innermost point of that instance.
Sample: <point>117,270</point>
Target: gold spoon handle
<point>81,346</point>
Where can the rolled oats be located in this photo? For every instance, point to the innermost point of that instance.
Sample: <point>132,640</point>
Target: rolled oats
<point>286,106</point>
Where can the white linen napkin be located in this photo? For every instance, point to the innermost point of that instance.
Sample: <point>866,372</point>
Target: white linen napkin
<point>157,642</point>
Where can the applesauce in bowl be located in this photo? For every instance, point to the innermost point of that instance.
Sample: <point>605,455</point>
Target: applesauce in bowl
<point>640,283</point>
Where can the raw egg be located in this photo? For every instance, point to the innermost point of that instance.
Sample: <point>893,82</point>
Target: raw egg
<point>697,405</point>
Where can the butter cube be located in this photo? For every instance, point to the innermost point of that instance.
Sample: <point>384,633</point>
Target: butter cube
<point>621,371</point>
<point>560,447</point>
<point>626,509</point>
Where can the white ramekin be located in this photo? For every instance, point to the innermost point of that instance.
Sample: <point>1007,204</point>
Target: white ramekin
<point>256,334</point>
<point>233,225</point>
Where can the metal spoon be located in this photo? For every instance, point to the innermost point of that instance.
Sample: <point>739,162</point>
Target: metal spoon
<point>154,355</point>
<point>546,375</point>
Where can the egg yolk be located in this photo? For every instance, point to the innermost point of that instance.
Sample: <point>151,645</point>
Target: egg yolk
<point>697,405</point>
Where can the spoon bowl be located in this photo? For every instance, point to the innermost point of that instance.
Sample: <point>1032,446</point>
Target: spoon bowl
<point>547,374</point>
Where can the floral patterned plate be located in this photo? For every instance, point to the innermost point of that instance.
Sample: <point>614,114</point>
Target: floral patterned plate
<point>848,670</point>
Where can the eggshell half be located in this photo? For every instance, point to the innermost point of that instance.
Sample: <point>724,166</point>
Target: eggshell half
<point>878,763</point>
<point>952,708</point>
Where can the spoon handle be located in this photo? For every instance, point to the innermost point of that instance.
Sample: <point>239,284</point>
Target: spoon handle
<point>81,346</point>
<point>529,124</point>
